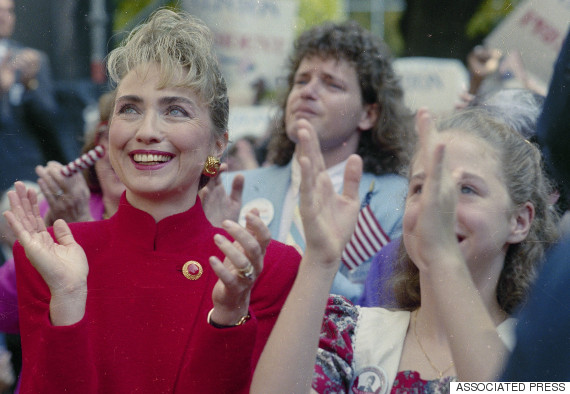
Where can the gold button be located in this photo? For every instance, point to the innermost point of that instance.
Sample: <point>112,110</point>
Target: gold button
<point>192,270</point>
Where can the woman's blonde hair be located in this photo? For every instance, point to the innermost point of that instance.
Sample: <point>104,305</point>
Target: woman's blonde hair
<point>176,40</point>
<point>525,182</point>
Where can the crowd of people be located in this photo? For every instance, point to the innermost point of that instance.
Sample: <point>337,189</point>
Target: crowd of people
<point>376,249</point>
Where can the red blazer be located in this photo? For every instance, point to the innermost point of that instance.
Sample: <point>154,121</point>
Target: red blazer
<point>145,326</point>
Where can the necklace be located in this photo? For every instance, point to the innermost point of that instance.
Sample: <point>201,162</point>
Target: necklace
<point>439,372</point>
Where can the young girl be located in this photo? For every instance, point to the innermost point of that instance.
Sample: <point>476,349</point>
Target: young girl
<point>475,227</point>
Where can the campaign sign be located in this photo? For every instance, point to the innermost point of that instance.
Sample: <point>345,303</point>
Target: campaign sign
<point>536,29</point>
<point>249,121</point>
<point>432,82</point>
<point>252,38</point>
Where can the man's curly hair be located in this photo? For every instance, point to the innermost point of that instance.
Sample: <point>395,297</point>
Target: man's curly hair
<point>386,147</point>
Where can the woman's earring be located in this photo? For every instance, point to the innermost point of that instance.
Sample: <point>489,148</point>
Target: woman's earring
<point>211,166</point>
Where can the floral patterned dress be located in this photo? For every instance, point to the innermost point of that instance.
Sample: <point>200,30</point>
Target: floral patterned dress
<point>335,369</point>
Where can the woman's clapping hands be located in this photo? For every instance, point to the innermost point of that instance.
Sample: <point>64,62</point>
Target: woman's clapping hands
<point>62,264</point>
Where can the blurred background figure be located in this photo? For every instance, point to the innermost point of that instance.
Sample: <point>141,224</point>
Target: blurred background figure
<point>76,35</point>
<point>340,83</point>
<point>241,154</point>
<point>7,237</point>
<point>28,110</point>
<point>518,107</point>
<point>491,70</point>
<point>7,377</point>
<point>93,194</point>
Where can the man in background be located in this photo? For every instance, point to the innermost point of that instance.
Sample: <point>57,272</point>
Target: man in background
<point>28,110</point>
<point>342,85</point>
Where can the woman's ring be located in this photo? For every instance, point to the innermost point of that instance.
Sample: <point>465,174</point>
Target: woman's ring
<point>59,193</point>
<point>247,272</point>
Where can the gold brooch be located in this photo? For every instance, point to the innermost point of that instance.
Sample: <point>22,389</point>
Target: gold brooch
<point>192,270</point>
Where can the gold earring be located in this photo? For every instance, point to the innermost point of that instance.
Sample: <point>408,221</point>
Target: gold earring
<point>211,166</point>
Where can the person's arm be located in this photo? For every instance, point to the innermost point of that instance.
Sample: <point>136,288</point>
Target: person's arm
<point>236,349</point>
<point>478,352</point>
<point>52,293</point>
<point>287,361</point>
<point>55,359</point>
<point>62,265</point>
<point>229,334</point>
<point>224,354</point>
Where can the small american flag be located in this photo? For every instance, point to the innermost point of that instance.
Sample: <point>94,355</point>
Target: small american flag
<point>368,237</point>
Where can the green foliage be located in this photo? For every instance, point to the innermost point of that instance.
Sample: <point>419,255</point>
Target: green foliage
<point>489,15</point>
<point>126,10</point>
<point>314,12</point>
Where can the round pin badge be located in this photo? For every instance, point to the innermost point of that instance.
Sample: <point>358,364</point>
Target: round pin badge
<point>263,205</point>
<point>370,380</point>
<point>192,270</point>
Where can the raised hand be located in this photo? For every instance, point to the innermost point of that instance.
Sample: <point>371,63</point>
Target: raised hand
<point>240,268</point>
<point>481,63</point>
<point>433,195</point>
<point>7,74</point>
<point>28,62</point>
<point>68,197</point>
<point>218,205</point>
<point>62,264</point>
<point>328,218</point>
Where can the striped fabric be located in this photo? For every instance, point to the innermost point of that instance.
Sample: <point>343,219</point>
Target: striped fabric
<point>368,238</point>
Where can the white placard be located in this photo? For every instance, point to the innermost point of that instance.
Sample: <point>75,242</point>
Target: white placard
<point>536,29</point>
<point>432,82</point>
<point>249,121</point>
<point>253,39</point>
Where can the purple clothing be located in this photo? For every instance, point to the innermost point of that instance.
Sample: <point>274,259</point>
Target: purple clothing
<point>9,320</point>
<point>377,291</point>
<point>96,207</point>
